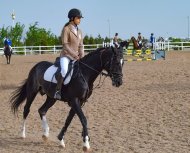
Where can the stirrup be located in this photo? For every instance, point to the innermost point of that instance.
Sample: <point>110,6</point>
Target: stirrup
<point>57,95</point>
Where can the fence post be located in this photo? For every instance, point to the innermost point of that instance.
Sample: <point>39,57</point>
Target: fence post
<point>168,45</point>
<point>25,50</point>
<point>40,50</point>
<point>54,49</point>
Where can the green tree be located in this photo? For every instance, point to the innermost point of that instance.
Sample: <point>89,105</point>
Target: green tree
<point>36,36</point>
<point>15,34</point>
<point>99,39</point>
<point>91,40</point>
<point>86,39</point>
<point>107,39</point>
<point>3,34</point>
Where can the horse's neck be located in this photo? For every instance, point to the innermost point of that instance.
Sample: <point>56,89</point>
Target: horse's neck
<point>135,45</point>
<point>91,68</point>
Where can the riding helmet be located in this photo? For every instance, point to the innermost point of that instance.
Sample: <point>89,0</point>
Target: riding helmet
<point>74,13</point>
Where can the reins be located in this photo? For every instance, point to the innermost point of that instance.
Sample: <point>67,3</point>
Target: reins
<point>99,72</point>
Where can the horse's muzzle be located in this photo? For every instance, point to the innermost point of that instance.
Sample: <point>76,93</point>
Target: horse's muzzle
<point>117,80</point>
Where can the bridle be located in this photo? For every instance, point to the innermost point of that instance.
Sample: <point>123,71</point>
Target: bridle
<point>110,72</point>
<point>113,73</point>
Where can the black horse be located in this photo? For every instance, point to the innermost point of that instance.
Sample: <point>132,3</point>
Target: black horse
<point>75,93</point>
<point>8,52</point>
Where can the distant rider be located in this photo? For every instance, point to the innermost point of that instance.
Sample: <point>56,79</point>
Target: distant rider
<point>115,40</point>
<point>139,40</point>
<point>152,40</point>
<point>7,43</point>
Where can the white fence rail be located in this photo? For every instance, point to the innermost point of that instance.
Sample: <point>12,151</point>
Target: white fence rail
<point>166,45</point>
<point>25,50</point>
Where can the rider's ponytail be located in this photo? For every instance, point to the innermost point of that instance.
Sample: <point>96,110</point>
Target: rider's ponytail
<point>67,23</point>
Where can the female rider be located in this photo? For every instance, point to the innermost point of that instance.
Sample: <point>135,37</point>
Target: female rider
<point>72,42</point>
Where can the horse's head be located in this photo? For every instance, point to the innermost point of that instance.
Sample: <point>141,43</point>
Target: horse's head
<point>124,44</point>
<point>133,39</point>
<point>113,66</point>
<point>135,43</point>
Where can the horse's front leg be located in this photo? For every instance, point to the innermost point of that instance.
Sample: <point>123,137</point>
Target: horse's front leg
<point>64,129</point>
<point>9,59</point>
<point>77,107</point>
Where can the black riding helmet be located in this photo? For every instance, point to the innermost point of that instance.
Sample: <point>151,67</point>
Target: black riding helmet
<point>74,13</point>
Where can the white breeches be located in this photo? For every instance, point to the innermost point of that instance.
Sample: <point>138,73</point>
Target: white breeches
<point>64,62</point>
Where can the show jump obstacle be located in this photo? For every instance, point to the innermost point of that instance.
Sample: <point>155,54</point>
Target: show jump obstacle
<point>130,54</point>
<point>143,55</point>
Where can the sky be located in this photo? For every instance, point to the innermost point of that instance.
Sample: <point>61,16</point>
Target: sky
<point>166,18</point>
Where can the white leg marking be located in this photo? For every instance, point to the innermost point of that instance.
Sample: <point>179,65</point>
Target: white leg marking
<point>23,132</point>
<point>86,143</point>
<point>121,61</point>
<point>45,126</point>
<point>62,143</point>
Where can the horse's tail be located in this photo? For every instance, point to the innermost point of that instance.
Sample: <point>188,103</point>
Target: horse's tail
<point>18,97</point>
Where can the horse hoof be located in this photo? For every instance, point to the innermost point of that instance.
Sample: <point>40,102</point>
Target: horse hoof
<point>62,144</point>
<point>85,149</point>
<point>45,138</point>
<point>23,136</point>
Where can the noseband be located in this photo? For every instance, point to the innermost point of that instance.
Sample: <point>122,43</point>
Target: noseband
<point>113,73</point>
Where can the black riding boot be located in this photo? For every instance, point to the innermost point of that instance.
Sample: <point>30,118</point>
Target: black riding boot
<point>58,87</point>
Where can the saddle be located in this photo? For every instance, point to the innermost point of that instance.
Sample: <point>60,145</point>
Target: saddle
<point>51,74</point>
<point>57,64</point>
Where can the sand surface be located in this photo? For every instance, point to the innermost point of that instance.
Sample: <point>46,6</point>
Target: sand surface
<point>149,113</point>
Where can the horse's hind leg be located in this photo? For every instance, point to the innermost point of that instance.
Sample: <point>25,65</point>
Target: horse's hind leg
<point>26,111</point>
<point>42,111</point>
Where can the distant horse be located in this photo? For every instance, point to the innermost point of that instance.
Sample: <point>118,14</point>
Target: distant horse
<point>8,52</point>
<point>135,43</point>
<point>75,93</point>
<point>145,44</point>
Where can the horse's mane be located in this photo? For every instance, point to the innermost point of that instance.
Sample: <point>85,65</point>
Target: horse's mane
<point>92,53</point>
